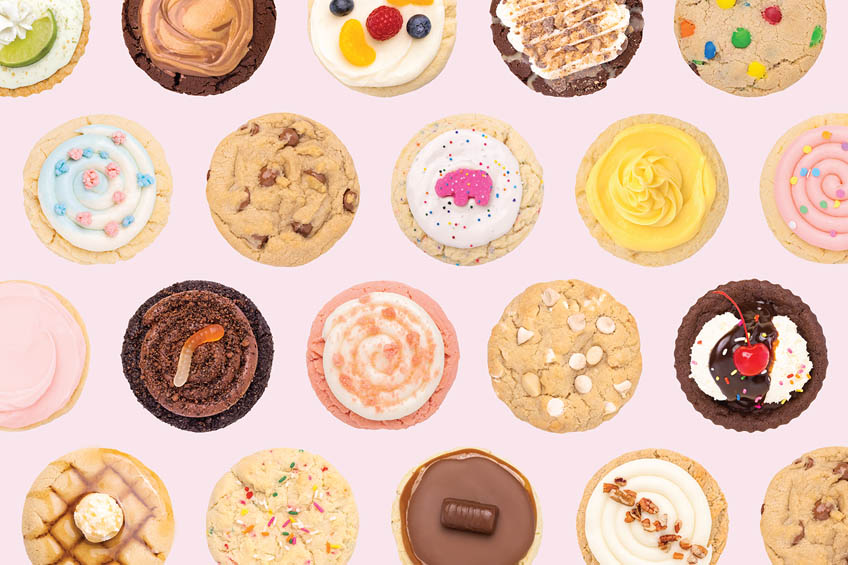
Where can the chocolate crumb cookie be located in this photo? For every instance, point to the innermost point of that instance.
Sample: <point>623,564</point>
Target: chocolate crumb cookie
<point>199,48</point>
<point>282,189</point>
<point>567,47</point>
<point>757,375</point>
<point>198,355</point>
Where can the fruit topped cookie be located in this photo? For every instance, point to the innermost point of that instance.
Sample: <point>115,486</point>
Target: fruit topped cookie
<point>40,43</point>
<point>383,47</point>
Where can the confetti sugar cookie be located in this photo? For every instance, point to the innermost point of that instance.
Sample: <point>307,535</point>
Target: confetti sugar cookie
<point>750,47</point>
<point>467,189</point>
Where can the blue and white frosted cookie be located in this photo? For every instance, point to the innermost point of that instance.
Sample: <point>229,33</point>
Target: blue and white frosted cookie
<point>97,189</point>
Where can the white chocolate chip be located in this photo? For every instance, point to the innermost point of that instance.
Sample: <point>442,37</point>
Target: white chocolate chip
<point>577,322</point>
<point>577,361</point>
<point>610,408</point>
<point>550,356</point>
<point>524,335</point>
<point>594,355</point>
<point>583,384</point>
<point>623,388</point>
<point>550,297</point>
<point>605,325</point>
<point>530,382</point>
<point>555,407</point>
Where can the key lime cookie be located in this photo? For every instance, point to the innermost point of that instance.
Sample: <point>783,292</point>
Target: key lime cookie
<point>803,515</point>
<point>383,47</point>
<point>97,189</point>
<point>803,186</point>
<point>283,506</point>
<point>652,506</point>
<point>282,189</point>
<point>652,189</point>
<point>96,506</point>
<point>41,42</point>
<point>565,356</point>
<point>750,47</point>
<point>467,189</point>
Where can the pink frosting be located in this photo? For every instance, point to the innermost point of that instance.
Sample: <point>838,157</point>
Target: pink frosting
<point>811,184</point>
<point>315,356</point>
<point>43,354</point>
<point>464,184</point>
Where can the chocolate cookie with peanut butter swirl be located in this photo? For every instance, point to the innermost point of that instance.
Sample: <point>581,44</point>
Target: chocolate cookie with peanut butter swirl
<point>199,47</point>
<point>282,189</point>
<point>198,355</point>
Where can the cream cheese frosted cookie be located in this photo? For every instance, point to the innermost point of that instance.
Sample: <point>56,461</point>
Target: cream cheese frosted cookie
<point>44,352</point>
<point>467,189</point>
<point>652,189</point>
<point>282,189</point>
<point>565,356</point>
<point>803,515</point>
<point>652,506</point>
<point>750,47</point>
<point>383,47</point>
<point>97,189</point>
<point>41,42</point>
<point>382,355</point>
<point>803,186</point>
<point>282,506</point>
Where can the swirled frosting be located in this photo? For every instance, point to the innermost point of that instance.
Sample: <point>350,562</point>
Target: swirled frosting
<point>613,541</point>
<point>810,185</point>
<point>652,188</point>
<point>383,356</point>
<point>98,189</point>
<point>43,354</point>
<point>204,38</point>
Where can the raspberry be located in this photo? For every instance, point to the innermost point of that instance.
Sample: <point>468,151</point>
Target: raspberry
<point>384,23</point>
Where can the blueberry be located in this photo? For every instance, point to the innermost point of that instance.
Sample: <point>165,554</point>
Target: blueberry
<point>419,26</point>
<point>341,7</point>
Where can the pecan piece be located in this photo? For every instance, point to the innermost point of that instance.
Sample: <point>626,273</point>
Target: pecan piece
<point>677,555</point>
<point>609,487</point>
<point>625,497</point>
<point>677,525</point>
<point>620,481</point>
<point>699,551</point>
<point>685,544</point>
<point>647,506</point>
<point>648,526</point>
<point>669,538</point>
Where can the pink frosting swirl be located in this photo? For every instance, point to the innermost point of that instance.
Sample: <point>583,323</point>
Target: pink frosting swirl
<point>811,185</point>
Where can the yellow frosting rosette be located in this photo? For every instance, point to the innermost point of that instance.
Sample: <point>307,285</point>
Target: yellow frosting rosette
<point>652,188</point>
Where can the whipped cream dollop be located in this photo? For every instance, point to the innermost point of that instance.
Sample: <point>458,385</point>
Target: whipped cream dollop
<point>99,517</point>
<point>16,17</point>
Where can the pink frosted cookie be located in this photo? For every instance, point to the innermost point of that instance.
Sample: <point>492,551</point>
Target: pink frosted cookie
<point>382,355</point>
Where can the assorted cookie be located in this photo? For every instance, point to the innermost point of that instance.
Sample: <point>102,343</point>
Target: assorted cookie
<point>652,506</point>
<point>802,188</point>
<point>750,47</point>
<point>199,48</point>
<point>282,506</point>
<point>44,354</point>
<point>41,42</point>
<point>197,355</point>
<point>565,356</point>
<point>567,47</point>
<point>803,515</point>
<point>466,506</point>
<point>282,189</point>
<point>97,189</point>
<point>652,189</point>
<point>467,189</point>
<point>382,355</point>
<point>755,375</point>
<point>383,47</point>
<point>96,506</point>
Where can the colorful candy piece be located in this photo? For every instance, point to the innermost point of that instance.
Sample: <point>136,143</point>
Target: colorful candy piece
<point>687,28</point>
<point>773,15</point>
<point>741,38</point>
<point>726,4</point>
<point>756,70</point>
<point>353,45</point>
<point>90,179</point>
<point>111,229</point>
<point>709,50</point>
<point>817,37</point>
<point>464,184</point>
<point>208,334</point>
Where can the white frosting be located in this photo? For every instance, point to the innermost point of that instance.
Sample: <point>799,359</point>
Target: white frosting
<point>383,355</point>
<point>470,225</point>
<point>675,492</point>
<point>400,59</point>
<point>16,19</point>
<point>790,371</point>
<point>69,15</point>
<point>611,19</point>
<point>99,517</point>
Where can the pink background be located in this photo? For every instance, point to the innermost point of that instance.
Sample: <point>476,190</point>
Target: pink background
<point>289,414</point>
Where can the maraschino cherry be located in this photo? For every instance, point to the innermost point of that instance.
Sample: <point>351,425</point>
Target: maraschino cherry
<point>750,360</point>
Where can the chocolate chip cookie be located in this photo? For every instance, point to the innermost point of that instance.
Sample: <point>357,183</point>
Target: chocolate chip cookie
<point>565,356</point>
<point>803,516</point>
<point>282,189</point>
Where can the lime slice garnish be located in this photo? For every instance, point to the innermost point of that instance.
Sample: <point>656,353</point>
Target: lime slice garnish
<point>32,48</point>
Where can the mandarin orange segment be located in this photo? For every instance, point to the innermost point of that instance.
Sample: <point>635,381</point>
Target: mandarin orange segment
<point>353,45</point>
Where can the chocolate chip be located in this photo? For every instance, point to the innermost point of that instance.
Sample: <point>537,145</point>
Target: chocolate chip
<point>267,177</point>
<point>254,129</point>
<point>208,174</point>
<point>842,470</point>
<point>350,200</point>
<point>245,202</point>
<point>808,464</point>
<point>289,137</point>
<point>260,240</point>
<point>302,229</point>
<point>822,510</point>
<point>322,178</point>
<point>797,539</point>
<point>762,509</point>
